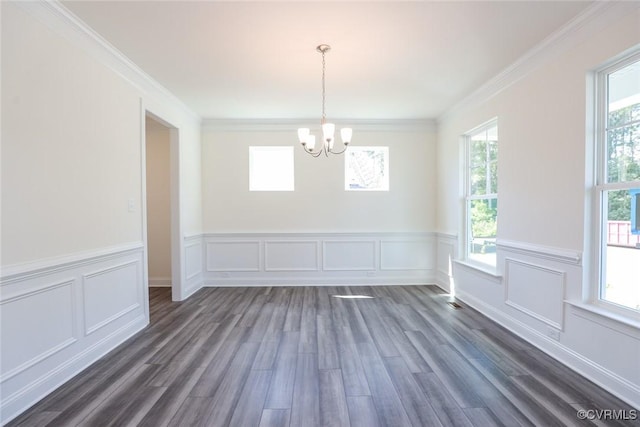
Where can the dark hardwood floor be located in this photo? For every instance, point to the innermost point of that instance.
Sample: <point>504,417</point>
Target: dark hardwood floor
<point>301,356</point>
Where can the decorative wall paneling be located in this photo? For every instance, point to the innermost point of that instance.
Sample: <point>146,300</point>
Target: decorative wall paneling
<point>536,291</point>
<point>193,262</point>
<point>447,253</point>
<point>318,258</point>
<point>539,297</point>
<point>59,316</point>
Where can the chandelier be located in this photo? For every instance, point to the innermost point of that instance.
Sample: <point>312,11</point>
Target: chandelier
<point>308,140</point>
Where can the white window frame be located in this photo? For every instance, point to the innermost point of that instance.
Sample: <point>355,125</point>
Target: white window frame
<point>469,197</point>
<point>597,274</point>
<point>256,182</point>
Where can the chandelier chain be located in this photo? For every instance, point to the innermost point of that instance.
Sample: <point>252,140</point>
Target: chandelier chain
<point>324,117</point>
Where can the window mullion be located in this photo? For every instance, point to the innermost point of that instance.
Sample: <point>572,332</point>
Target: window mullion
<point>486,196</point>
<point>623,125</point>
<point>611,186</point>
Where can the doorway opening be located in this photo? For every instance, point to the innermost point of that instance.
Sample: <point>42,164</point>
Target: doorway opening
<point>161,213</point>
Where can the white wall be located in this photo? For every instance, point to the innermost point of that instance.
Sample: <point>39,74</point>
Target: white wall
<point>74,275</point>
<point>319,233</point>
<point>66,165</point>
<point>158,203</point>
<point>72,148</point>
<point>319,202</point>
<point>542,259</point>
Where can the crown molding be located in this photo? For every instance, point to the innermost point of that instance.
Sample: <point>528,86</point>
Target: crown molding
<point>589,21</point>
<point>291,125</point>
<point>58,18</point>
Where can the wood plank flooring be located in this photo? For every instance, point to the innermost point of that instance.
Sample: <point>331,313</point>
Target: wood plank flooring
<point>302,356</point>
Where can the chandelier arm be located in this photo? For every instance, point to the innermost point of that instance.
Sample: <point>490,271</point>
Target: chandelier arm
<point>340,152</point>
<point>313,153</point>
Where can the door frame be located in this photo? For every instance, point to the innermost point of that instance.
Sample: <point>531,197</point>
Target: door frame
<point>177,261</point>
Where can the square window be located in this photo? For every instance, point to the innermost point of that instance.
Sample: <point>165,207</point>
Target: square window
<point>271,169</point>
<point>366,169</point>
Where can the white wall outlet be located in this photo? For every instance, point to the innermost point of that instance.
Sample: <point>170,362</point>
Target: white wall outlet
<point>131,205</point>
<point>371,273</point>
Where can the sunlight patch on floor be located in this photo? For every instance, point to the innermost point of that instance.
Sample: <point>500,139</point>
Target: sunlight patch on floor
<point>352,296</point>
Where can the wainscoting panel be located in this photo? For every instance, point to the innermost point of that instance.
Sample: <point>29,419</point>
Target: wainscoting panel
<point>194,264</point>
<point>60,315</point>
<point>110,293</point>
<point>536,291</point>
<point>446,254</point>
<point>261,259</point>
<point>344,255</point>
<point>233,255</point>
<point>47,313</point>
<point>291,255</point>
<point>406,255</point>
<point>445,258</point>
<point>193,259</point>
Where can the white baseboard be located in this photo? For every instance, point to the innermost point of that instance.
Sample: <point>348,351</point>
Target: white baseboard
<point>222,283</point>
<point>159,282</point>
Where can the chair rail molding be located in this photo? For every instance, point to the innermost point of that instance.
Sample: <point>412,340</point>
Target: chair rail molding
<point>538,251</point>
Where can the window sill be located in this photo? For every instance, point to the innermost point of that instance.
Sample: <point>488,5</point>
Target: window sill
<point>487,270</point>
<point>600,314</point>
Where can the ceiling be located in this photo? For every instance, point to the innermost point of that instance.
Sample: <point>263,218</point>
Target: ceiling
<point>389,59</point>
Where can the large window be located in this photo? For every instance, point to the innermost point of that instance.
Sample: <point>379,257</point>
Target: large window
<point>482,193</point>
<point>617,186</point>
<point>271,168</point>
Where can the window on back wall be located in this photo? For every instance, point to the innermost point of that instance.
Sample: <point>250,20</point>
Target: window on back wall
<point>482,193</point>
<point>271,168</point>
<point>366,169</point>
<point>617,184</point>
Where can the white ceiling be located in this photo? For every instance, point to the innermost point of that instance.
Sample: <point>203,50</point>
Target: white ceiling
<point>389,59</point>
